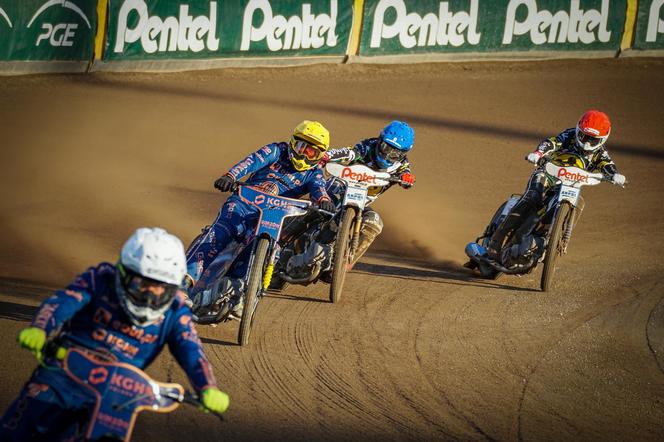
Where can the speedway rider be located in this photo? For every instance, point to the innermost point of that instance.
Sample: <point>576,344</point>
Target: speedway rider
<point>586,140</point>
<point>385,153</point>
<point>126,312</point>
<point>289,169</point>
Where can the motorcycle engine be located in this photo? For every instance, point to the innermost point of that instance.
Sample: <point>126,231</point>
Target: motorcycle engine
<point>524,254</point>
<point>316,256</point>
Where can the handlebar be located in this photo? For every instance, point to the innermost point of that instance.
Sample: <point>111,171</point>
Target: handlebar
<point>544,160</point>
<point>315,209</point>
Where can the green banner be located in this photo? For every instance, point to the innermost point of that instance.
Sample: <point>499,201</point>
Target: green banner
<point>203,29</point>
<point>649,25</point>
<point>454,26</point>
<point>46,30</point>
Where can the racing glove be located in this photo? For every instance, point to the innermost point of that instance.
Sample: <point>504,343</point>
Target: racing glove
<point>407,180</point>
<point>33,339</point>
<point>225,183</point>
<point>533,157</point>
<point>327,206</point>
<point>324,160</point>
<point>215,400</point>
<point>618,179</point>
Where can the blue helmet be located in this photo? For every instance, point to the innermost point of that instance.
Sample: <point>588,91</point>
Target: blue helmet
<point>396,140</point>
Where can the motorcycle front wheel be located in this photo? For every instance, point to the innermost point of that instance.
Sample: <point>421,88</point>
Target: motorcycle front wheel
<point>554,247</point>
<point>341,250</point>
<point>254,285</point>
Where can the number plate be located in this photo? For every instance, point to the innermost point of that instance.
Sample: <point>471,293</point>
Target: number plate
<point>355,196</point>
<point>568,193</point>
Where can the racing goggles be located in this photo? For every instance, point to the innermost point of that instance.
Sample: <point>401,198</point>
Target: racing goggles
<point>146,292</point>
<point>391,153</point>
<point>591,141</point>
<point>307,150</point>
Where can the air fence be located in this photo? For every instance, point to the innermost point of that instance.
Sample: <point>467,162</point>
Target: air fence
<point>149,35</point>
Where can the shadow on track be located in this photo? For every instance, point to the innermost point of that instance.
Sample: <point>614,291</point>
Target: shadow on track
<point>218,342</point>
<point>17,312</point>
<point>285,296</point>
<point>448,273</point>
<point>100,81</point>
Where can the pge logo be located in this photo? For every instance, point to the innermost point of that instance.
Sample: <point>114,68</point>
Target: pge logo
<point>4,15</point>
<point>60,34</point>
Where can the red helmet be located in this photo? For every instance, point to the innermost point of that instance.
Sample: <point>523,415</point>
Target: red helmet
<point>592,130</point>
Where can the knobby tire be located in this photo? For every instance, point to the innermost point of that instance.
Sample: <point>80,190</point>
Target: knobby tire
<point>341,261</point>
<point>553,248</point>
<point>254,285</point>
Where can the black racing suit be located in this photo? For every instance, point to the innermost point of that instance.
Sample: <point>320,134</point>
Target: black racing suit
<point>364,153</point>
<point>538,184</point>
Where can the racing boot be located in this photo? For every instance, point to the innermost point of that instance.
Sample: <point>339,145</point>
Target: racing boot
<point>372,225</point>
<point>187,285</point>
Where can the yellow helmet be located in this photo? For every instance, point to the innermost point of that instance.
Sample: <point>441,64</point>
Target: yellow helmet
<point>309,142</point>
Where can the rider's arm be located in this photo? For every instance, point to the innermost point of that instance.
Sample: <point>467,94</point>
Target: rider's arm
<point>263,157</point>
<point>316,187</point>
<point>186,347</point>
<point>552,144</point>
<point>350,155</point>
<point>343,155</point>
<point>605,164</point>
<point>64,304</point>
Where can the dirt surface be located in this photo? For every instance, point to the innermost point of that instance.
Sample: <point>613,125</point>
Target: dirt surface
<point>417,349</point>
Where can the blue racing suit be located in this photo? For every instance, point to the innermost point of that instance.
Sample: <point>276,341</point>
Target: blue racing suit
<point>269,169</point>
<point>87,314</point>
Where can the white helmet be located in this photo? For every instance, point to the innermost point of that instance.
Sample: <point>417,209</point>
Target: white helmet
<point>150,271</point>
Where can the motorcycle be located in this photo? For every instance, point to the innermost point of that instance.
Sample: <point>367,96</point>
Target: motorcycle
<point>545,235</point>
<point>306,259</point>
<point>242,272</point>
<point>121,390</point>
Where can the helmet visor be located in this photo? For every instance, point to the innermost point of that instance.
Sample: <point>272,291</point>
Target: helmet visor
<point>146,292</point>
<point>391,153</point>
<point>307,150</point>
<point>589,140</point>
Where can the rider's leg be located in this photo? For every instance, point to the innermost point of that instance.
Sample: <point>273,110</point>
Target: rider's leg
<point>49,407</point>
<point>527,204</point>
<point>229,225</point>
<point>372,225</point>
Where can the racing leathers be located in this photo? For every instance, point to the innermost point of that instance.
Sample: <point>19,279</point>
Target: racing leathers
<point>364,153</point>
<point>87,315</point>
<point>269,169</point>
<point>538,184</point>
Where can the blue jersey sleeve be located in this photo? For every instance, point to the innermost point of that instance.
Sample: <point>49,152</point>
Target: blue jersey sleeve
<point>316,186</point>
<point>186,347</point>
<point>64,304</point>
<point>263,157</point>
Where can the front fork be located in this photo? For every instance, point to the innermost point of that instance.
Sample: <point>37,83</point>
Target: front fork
<point>569,226</point>
<point>269,269</point>
<point>355,241</point>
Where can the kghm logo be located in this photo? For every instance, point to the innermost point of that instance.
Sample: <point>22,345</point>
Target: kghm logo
<point>413,29</point>
<point>4,15</point>
<point>183,33</point>
<point>655,24</point>
<point>577,25</point>
<point>60,34</point>
<point>295,32</point>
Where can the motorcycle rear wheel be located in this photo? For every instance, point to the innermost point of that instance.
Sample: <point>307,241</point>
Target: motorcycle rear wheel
<point>341,262</point>
<point>553,248</point>
<point>254,285</point>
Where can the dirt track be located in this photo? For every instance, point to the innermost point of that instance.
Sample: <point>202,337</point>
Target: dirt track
<point>417,349</point>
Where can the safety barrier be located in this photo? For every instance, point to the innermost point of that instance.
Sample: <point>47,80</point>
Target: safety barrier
<point>83,35</point>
